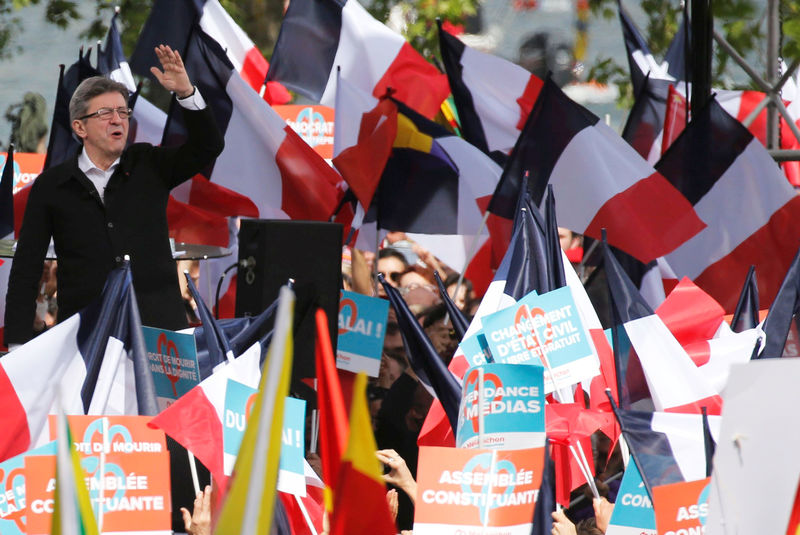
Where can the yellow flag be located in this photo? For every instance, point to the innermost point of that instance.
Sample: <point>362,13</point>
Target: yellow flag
<point>250,502</point>
<point>72,509</point>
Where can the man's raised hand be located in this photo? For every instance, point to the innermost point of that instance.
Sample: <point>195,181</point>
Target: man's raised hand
<point>173,77</point>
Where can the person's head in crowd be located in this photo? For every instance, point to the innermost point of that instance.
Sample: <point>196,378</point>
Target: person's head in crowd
<point>441,335</point>
<point>465,292</point>
<point>572,245</point>
<point>393,364</point>
<point>392,340</point>
<point>420,298</point>
<point>347,281</point>
<point>420,404</point>
<point>391,264</point>
<point>588,526</point>
<point>375,397</point>
<point>417,277</point>
<point>569,240</point>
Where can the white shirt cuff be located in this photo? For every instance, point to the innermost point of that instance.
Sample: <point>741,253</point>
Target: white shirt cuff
<point>195,101</point>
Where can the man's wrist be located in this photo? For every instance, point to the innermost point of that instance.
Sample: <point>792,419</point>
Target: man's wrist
<point>186,95</point>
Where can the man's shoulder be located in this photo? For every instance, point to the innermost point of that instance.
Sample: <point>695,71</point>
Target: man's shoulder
<point>137,149</point>
<point>56,173</point>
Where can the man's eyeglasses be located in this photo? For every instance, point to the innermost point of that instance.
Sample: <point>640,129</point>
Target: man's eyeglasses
<point>105,114</point>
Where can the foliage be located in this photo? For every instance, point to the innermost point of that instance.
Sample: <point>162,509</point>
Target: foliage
<point>418,19</point>
<point>58,12</point>
<point>791,28</point>
<point>741,22</point>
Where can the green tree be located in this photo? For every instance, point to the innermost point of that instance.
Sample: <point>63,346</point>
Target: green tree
<point>57,12</point>
<point>419,19</point>
<point>258,18</point>
<point>739,21</point>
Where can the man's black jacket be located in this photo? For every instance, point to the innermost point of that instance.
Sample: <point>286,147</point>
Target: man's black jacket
<point>91,237</point>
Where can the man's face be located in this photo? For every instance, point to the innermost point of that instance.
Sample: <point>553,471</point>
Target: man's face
<point>103,138</point>
<point>567,239</point>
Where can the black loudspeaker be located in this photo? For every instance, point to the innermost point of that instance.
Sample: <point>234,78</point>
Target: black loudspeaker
<point>309,252</point>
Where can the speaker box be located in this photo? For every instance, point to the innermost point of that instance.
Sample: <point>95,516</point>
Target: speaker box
<point>308,252</point>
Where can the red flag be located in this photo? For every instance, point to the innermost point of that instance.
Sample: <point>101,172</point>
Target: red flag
<point>674,119</point>
<point>333,426</point>
<point>361,505</point>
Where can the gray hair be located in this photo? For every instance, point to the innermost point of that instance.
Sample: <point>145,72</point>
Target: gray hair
<point>90,88</point>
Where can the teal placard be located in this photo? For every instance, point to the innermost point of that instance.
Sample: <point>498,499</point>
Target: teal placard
<point>362,328</point>
<point>475,349</point>
<point>239,399</point>
<point>511,403</point>
<point>546,330</point>
<point>633,510</point>
<point>173,363</point>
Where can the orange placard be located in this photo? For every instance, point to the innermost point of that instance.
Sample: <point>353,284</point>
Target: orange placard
<point>27,166</point>
<point>314,123</point>
<point>127,475</point>
<point>682,507</point>
<point>39,491</point>
<point>463,491</point>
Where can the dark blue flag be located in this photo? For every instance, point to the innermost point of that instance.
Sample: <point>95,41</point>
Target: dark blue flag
<point>426,363</point>
<point>460,322</point>
<point>63,144</point>
<point>782,314</point>
<point>746,314</point>
<point>7,196</point>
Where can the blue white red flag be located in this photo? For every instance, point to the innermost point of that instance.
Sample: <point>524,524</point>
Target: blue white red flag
<point>96,358</point>
<point>316,37</point>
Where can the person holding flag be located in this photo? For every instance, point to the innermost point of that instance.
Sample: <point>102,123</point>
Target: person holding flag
<point>108,201</point>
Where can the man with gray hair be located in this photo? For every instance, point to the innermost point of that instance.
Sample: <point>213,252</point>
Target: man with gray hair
<point>107,202</point>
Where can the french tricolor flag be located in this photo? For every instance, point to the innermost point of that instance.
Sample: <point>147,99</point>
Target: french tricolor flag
<point>97,360</point>
<point>748,207</point>
<point>170,22</point>
<point>668,448</point>
<point>317,36</point>
<point>264,160</point>
<point>650,362</point>
<point>698,323</point>
<point>598,180</point>
<point>196,419</point>
<point>642,63</point>
<point>523,269</point>
<point>493,96</point>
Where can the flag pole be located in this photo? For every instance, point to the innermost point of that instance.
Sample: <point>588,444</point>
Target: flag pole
<point>587,473</point>
<point>480,408</point>
<point>306,516</point>
<point>590,480</point>
<point>312,447</point>
<point>375,261</point>
<point>193,469</point>
<point>101,471</point>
